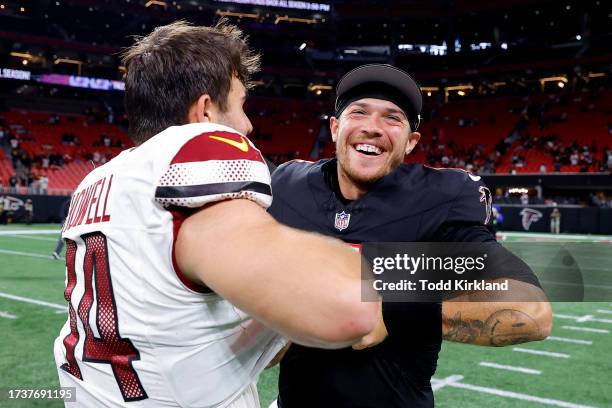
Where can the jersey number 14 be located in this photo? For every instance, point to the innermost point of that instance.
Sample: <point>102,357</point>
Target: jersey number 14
<point>110,347</point>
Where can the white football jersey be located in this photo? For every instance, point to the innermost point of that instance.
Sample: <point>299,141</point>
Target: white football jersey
<point>139,333</point>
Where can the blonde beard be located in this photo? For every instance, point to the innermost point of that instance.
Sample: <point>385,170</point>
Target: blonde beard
<point>366,183</point>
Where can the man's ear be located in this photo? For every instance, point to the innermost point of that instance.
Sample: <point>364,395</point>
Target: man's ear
<point>203,110</point>
<point>333,127</point>
<point>413,139</point>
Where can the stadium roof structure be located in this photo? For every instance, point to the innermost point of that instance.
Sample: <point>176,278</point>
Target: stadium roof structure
<point>309,45</point>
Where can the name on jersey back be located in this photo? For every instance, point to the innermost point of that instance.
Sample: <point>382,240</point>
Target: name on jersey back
<point>88,205</point>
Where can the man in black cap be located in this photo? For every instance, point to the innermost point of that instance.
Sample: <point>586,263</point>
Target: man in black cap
<point>366,194</point>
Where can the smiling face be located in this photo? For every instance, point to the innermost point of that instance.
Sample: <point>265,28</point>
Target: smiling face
<point>372,137</point>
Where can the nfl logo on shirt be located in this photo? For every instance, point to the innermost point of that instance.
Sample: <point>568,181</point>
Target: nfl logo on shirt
<point>342,221</point>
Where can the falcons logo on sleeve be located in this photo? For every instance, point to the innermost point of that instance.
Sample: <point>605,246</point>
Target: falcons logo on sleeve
<point>487,199</point>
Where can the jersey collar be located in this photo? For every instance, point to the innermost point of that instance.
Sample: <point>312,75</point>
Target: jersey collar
<point>323,182</point>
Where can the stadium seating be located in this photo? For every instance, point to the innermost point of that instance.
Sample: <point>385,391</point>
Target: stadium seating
<point>39,137</point>
<point>468,132</point>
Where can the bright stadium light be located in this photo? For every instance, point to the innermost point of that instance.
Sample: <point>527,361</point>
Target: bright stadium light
<point>302,46</point>
<point>578,37</point>
<point>560,84</point>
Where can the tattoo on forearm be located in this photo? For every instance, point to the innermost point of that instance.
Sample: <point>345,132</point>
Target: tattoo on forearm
<point>502,328</point>
<point>464,331</point>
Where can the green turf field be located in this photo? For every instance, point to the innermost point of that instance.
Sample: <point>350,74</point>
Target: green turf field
<point>578,373</point>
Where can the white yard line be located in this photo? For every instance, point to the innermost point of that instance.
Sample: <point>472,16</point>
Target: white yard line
<point>510,368</point>
<point>29,232</point>
<point>582,319</point>
<point>604,311</point>
<point>7,315</point>
<point>56,306</point>
<point>559,236</point>
<point>32,238</point>
<point>438,384</point>
<point>566,340</point>
<point>541,352</point>
<point>564,316</point>
<point>585,329</point>
<point>510,394</point>
<point>19,253</point>
<point>593,319</point>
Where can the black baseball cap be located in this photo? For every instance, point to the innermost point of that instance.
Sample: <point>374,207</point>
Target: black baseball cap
<point>381,81</point>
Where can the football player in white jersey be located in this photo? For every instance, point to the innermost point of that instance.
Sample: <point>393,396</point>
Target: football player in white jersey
<point>178,281</point>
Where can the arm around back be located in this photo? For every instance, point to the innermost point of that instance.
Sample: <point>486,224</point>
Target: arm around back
<point>303,285</point>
